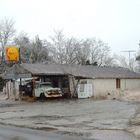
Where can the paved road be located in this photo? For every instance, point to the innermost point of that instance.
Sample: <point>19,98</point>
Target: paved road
<point>15,133</point>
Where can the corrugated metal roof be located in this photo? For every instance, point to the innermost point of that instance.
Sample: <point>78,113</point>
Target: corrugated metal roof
<point>80,71</point>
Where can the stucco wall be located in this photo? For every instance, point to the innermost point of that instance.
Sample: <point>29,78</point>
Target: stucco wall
<point>127,84</point>
<point>104,86</point>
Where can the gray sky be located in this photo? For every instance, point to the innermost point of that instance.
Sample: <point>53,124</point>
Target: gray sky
<point>116,22</point>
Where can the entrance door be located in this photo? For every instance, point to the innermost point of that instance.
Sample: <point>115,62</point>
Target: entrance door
<point>84,90</point>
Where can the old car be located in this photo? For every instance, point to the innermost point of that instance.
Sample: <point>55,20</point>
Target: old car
<point>45,89</point>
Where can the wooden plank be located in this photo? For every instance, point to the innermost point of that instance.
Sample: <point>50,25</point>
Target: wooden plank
<point>73,86</point>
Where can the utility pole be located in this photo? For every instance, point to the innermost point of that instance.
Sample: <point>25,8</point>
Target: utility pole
<point>129,55</point>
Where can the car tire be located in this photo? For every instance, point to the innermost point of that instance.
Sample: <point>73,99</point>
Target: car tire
<point>42,96</point>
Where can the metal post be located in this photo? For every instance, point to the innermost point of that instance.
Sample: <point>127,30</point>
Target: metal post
<point>129,54</point>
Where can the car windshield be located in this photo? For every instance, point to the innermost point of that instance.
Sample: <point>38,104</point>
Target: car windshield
<point>45,85</point>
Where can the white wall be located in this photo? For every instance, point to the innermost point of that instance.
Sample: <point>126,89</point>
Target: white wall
<point>104,86</point>
<point>127,84</point>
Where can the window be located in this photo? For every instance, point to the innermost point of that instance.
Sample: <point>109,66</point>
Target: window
<point>84,82</point>
<point>118,83</point>
<point>82,87</point>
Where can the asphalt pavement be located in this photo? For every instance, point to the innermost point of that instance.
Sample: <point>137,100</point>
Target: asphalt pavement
<point>17,133</point>
<point>66,120</point>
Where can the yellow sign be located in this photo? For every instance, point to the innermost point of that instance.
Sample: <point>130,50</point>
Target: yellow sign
<point>12,53</point>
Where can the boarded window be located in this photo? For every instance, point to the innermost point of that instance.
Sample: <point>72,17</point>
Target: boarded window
<point>118,83</point>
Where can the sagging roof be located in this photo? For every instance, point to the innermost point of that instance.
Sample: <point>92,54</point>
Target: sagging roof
<point>87,71</point>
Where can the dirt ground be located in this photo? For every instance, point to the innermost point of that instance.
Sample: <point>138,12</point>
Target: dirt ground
<point>87,118</point>
<point>131,95</point>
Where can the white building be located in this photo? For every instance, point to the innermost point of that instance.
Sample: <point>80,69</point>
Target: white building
<point>88,80</point>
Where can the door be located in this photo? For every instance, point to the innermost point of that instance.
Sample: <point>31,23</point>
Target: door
<point>85,90</point>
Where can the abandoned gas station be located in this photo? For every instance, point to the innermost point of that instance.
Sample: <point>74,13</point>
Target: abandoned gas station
<point>76,81</point>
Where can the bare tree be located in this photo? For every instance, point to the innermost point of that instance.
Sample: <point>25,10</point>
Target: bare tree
<point>23,41</point>
<point>94,51</point>
<point>83,51</point>
<point>109,61</point>
<point>100,52</point>
<point>71,47</point>
<point>71,50</point>
<point>64,50</point>
<point>58,47</point>
<point>7,31</point>
<point>39,51</point>
<point>32,51</point>
<point>122,61</point>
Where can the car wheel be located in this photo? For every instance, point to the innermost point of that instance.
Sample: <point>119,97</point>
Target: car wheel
<point>42,96</point>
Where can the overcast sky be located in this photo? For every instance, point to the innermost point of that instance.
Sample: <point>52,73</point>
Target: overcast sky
<point>116,22</point>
